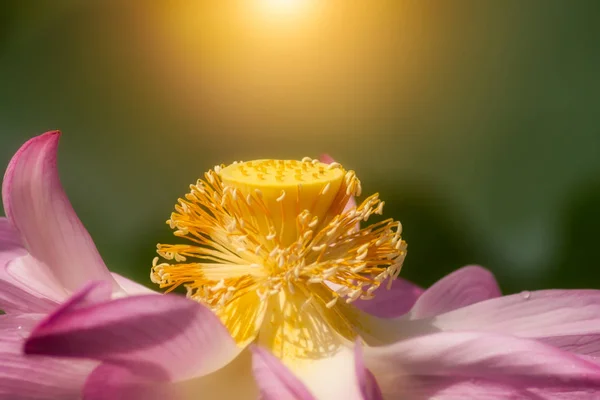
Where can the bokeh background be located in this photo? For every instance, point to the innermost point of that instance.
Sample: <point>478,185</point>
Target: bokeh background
<point>477,121</point>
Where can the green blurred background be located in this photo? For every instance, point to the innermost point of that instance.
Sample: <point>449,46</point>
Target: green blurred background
<point>477,121</point>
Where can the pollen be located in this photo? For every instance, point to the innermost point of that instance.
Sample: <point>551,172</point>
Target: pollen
<point>272,249</point>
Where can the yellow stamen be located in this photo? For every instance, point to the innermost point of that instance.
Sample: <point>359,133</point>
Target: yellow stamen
<point>274,254</point>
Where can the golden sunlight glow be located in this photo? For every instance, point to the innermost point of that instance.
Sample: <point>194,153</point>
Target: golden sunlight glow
<point>273,251</point>
<point>283,7</point>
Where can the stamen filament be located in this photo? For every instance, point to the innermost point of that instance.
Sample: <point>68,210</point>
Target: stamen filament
<point>271,236</point>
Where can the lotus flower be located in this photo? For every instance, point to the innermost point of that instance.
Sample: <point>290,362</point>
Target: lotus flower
<point>291,304</point>
<point>45,256</point>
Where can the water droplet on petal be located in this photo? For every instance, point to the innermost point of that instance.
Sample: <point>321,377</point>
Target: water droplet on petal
<point>21,332</point>
<point>526,294</point>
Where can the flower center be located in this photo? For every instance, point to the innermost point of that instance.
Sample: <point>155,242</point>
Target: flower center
<point>273,252</point>
<point>286,188</point>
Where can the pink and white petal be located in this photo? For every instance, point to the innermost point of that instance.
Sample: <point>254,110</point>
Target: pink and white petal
<point>233,381</point>
<point>274,380</point>
<point>19,325</point>
<point>149,333</point>
<point>91,294</point>
<point>20,293</point>
<point>37,206</point>
<point>333,376</point>
<point>326,158</point>
<point>396,301</point>
<point>130,287</point>
<point>434,365</point>
<point>466,286</point>
<point>10,241</point>
<point>40,378</point>
<point>367,382</point>
<point>29,286</point>
<point>14,300</point>
<point>441,388</point>
<point>568,319</point>
<point>114,382</point>
<point>461,288</point>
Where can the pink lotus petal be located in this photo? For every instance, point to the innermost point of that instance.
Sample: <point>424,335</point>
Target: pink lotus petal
<point>326,158</point>
<point>35,378</point>
<point>461,288</point>
<point>37,206</point>
<point>427,366</point>
<point>110,381</point>
<point>335,375</point>
<point>150,333</point>
<point>91,294</point>
<point>131,287</point>
<point>21,295</point>
<point>114,381</point>
<point>568,319</point>
<point>17,322</point>
<point>396,301</point>
<point>274,380</point>
<point>9,239</point>
<point>366,380</point>
<point>277,382</point>
<point>440,388</point>
<point>39,287</point>
<point>17,300</point>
